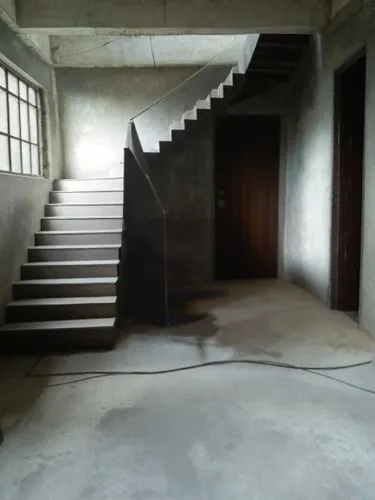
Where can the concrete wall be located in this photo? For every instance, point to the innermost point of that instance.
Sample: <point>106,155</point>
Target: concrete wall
<point>337,5</point>
<point>8,9</point>
<point>183,178</point>
<point>41,43</point>
<point>96,105</point>
<point>22,198</point>
<point>21,207</point>
<point>309,129</point>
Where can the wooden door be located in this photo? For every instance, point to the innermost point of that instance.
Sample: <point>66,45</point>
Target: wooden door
<point>350,84</point>
<point>247,194</point>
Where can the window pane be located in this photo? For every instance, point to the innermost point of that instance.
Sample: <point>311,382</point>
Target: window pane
<point>4,153</point>
<point>15,155</point>
<point>33,125</point>
<point>34,160</point>
<point>32,96</point>
<point>23,90</point>
<point>2,77</point>
<point>12,83</point>
<point>26,162</point>
<point>14,116</point>
<point>24,122</point>
<point>3,112</point>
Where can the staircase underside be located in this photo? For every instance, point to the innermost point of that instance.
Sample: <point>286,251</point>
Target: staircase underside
<point>275,59</point>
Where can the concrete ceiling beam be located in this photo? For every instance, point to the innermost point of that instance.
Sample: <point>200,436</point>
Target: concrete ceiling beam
<point>172,16</point>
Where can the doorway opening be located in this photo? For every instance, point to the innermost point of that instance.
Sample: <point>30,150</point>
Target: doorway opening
<point>350,89</point>
<point>247,196</point>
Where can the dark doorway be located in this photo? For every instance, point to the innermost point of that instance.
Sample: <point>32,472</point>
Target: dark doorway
<point>350,86</point>
<point>247,194</point>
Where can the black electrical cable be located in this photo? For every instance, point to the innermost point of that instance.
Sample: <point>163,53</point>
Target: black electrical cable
<point>92,374</point>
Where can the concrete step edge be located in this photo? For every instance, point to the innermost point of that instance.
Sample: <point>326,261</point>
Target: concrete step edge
<point>73,263</point>
<point>87,192</point>
<point>75,247</point>
<point>66,281</point>
<point>81,217</point>
<point>104,203</point>
<point>79,231</point>
<point>60,325</point>
<point>63,301</point>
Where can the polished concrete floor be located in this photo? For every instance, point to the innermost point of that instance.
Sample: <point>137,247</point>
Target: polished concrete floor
<point>238,432</point>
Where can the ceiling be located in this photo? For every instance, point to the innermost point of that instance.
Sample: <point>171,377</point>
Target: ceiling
<point>144,51</point>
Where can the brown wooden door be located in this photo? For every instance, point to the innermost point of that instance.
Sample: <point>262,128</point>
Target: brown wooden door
<point>247,193</point>
<point>350,85</point>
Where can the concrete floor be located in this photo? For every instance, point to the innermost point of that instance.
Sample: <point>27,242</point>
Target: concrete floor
<point>231,432</point>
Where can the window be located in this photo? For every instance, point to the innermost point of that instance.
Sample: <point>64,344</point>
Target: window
<point>20,125</point>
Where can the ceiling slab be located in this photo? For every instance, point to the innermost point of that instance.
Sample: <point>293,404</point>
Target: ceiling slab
<point>145,51</point>
<point>184,16</point>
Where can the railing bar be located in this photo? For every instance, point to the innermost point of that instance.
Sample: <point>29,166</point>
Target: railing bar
<point>173,89</point>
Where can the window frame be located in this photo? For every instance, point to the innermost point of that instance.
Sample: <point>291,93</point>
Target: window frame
<point>37,105</point>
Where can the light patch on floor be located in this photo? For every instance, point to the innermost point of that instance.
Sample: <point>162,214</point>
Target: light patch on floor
<point>215,433</point>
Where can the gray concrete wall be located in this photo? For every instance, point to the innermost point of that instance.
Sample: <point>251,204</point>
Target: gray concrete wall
<point>309,161</point>
<point>22,198</point>
<point>308,136</point>
<point>183,178</point>
<point>21,207</point>
<point>337,5</point>
<point>96,105</point>
<point>8,9</point>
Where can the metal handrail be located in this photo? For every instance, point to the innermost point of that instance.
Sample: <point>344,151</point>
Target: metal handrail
<point>181,84</point>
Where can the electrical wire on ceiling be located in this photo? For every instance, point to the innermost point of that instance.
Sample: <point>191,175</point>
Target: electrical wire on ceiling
<point>152,50</point>
<point>91,49</point>
<point>94,374</point>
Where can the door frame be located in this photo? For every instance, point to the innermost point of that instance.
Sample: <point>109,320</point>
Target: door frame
<point>337,180</point>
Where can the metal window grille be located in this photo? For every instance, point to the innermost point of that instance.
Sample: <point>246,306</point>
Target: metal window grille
<point>21,149</point>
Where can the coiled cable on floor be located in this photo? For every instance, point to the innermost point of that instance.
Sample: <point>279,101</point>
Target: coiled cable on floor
<point>93,374</point>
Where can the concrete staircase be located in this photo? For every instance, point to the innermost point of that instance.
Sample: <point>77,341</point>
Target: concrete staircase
<point>216,100</point>
<point>66,297</point>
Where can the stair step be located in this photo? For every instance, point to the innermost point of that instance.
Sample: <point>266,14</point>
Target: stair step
<point>218,93</point>
<point>86,197</point>
<point>190,115</point>
<point>229,92</point>
<point>75,223</point>
<point>229,78</point>
<point>106,209</point>
<point>73,252</point>
<point>204,103</point>
<point>104,184</point>
<point>98,237</point>
<point>154,149</point>
<point>62,308</point>
<point>57,336</point>
<point>64,287</point>
<point>178,125</point>
<point>70,269</point>
<point>217,103</point>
